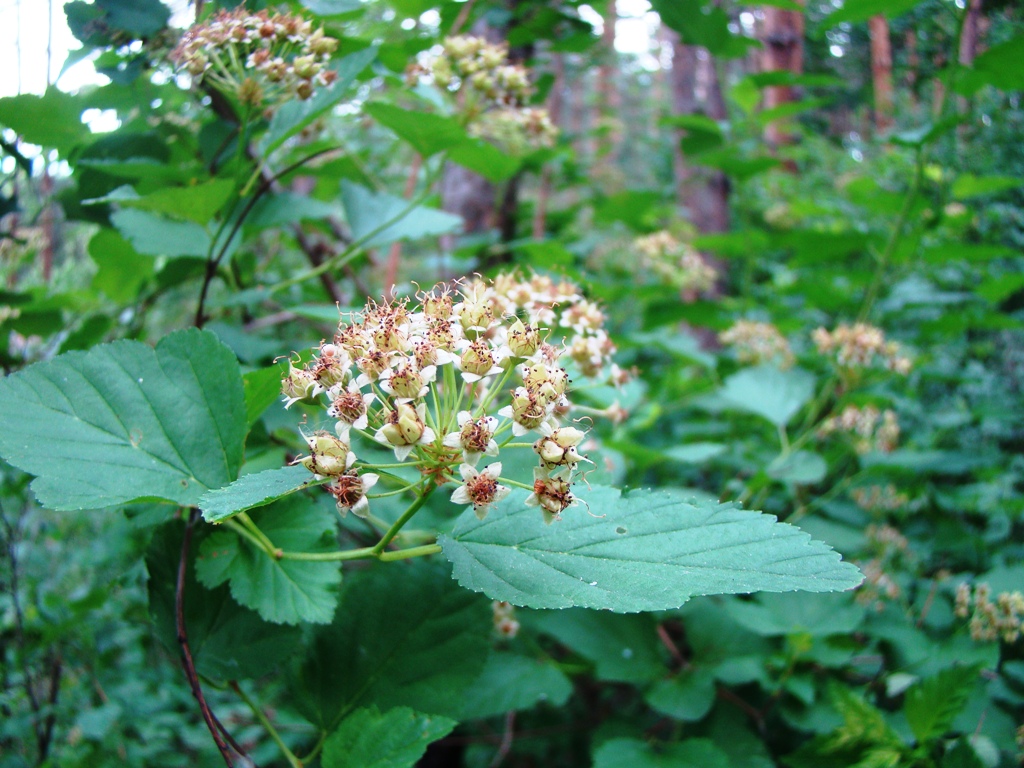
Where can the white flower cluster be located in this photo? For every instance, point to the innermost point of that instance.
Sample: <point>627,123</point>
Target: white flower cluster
<point>871,429</point>
<point>859,346</point>
<point>757,343</point>
<point>261,58</point>
<point>676,262</point>
<point>457,377</point>
<point>492,93</point>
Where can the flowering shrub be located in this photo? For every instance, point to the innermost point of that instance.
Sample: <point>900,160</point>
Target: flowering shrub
<point>262,59</point>
<point>458,376</point>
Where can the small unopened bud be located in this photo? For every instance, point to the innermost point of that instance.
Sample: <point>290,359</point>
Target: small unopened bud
<point>559,447</point>
<point>523,340</point>
<point>329,455</point>
<point>404,427</point>
<point>477,359</point>
<point>297,385</point>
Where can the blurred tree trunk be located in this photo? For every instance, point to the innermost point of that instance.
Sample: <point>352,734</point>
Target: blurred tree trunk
<point>704,193</point>
<point>783,40</point>
<point>881,71</point>
<point>972,33</point>
<point>556,101</point>
<point>609,100</point>
<point>913,62</point>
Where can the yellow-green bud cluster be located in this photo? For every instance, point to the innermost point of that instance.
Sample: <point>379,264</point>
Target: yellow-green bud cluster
<point>491,93</point>
<point>758,343</point>
<point>676,262</point>
<point>870,428</point>
<point>860,346</point>
<point>990,619</point>
<point>462,374</point>
<point>262,59</point>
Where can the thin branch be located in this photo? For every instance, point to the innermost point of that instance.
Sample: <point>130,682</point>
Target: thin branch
<point>186,652</point>
<point>507,736</point>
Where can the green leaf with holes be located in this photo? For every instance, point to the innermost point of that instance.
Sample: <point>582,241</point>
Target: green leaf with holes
<point>282,591</point>
<point>642,551</point>
<point>125,422</point>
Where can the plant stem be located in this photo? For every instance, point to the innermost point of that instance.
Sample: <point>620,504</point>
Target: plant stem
<point>257,711</point>
<point>257,542</point>
<point>404,554</point>
<point>405,518</point>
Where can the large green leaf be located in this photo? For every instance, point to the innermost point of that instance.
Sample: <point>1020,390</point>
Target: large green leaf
<point>401,638</point>
<point>381,218</point>
<point>624,649</point>
<point>155,235</point>
<point>861,10</point>
<point>817,615</point>
<point>296,115</point>
<point>394,739</point>
<point>511,682</point>
<point>933,704</point>
<point>50,120</point>
<point>228,642</point>
<point>706,27</point>
<point>283,591</point>
<point>121,270</point>
<point>645,551</point>
<point>1000,67</point>
<point>255,490</point>
<point>198,203</point>
<point>769,392</point>
<point>124,422</point>
<point>427,133</point>
<point>262,389</point>
<point>692,753</point>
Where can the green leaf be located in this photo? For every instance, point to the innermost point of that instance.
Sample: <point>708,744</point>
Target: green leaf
<point>933,704</point>
<point>332,7</point>
<point>255,490</point>
<point>296,115</point>
<point>854,11</point>
<point>228,642</point>
<point>799,468</point>
<point>769,392</point>
<point>704,27</point>
<point>157,236</point>
<point>124,422</point>
<point>646,551</point>
<point>624,649</point>
<point>262,389</point>
<point>416,641</point>
<point>396,739</point>
<point>51,120</point>
<point>121,270</point>
<point>688,696</point>
<point>815,615</point>
<point>695,453</point>
<point>968,185</point>
<point>999,66</point>
<point>485,159</point>
<point>98,22</point>
<point>368,211</point>
<point>198,203</point>
<point>281,591</point>
<point>511,682</point>
<point>427,133</point>
<point>634,753</point>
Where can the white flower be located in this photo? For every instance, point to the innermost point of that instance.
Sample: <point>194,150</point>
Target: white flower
<point>349,405</point>
<point>350,490</point>
<point>480,489</point>
<point>474,438</point>
<point>405,429</point>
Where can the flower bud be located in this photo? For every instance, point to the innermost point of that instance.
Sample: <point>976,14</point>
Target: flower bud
<point>559,447</point>
<point>526,411</point>
<point>477,359</point>
<point>329,455</point>
<point>297,385</point>
<point>523,340</point>
<point>405,426</point>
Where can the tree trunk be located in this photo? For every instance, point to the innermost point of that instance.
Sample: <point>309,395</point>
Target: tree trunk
<point>783,50</point>
<point>684,102</point>
<point>713,210</point>
<point>881,71</point>
<point>609,100</point>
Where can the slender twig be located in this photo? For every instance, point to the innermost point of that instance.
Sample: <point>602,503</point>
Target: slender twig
<point>186,651</point>
<point>260,715</point>
<point>506,739</point>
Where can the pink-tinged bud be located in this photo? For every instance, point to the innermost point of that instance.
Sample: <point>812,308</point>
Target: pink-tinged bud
<point>329,455</point>
<point>523,340</point>
<point>551,494</point>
